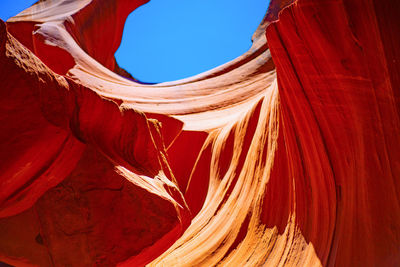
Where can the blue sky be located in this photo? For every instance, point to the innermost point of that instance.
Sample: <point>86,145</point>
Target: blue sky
<point>166,40</point>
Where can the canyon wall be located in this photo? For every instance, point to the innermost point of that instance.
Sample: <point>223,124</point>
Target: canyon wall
<point>288,155</point>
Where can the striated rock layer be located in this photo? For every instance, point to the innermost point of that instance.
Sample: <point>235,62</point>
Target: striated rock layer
<point>288,155</point>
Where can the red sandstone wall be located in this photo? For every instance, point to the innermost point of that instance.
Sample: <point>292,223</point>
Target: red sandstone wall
<point>288,155</point>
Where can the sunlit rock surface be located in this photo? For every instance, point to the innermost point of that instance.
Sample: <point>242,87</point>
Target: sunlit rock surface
<point>288,155</point>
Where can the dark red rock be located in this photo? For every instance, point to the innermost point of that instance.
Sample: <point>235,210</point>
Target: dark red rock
<point>292,162</point>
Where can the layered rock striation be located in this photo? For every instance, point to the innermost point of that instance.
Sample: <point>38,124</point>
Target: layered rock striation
<point>288,155</point>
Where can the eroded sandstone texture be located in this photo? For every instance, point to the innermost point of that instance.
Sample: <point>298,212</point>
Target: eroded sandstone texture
<point>288,155</point>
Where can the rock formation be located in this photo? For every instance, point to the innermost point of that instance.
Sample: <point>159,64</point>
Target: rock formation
<point>288,155</point>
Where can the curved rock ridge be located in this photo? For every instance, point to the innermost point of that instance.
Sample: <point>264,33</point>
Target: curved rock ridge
<point>286,156</point>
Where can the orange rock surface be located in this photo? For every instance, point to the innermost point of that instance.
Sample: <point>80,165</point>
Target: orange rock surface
<point>287,156</point>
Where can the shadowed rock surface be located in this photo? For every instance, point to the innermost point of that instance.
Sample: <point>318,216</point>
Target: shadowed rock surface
<point>288,155</point>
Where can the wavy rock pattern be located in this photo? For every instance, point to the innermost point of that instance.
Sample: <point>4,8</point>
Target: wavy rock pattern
<point>288,155</point>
